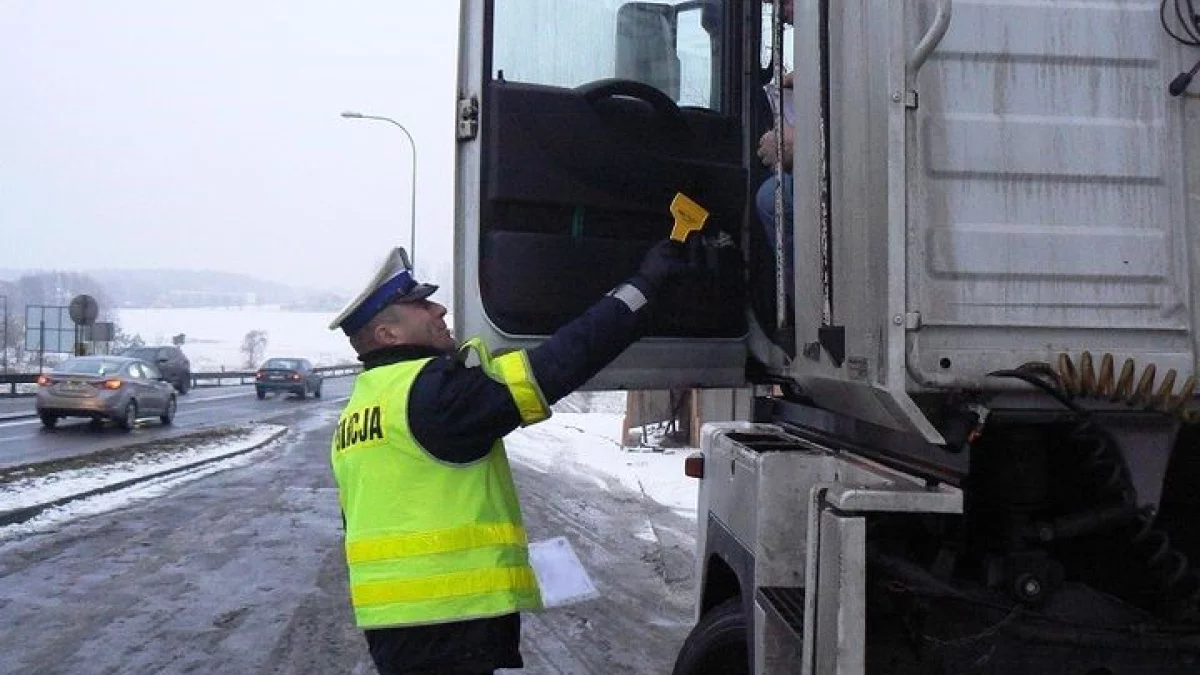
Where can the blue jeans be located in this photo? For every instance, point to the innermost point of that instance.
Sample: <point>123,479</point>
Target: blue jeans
<point>764,200</point>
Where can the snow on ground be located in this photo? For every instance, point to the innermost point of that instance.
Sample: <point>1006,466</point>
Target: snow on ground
<point>588,444</point>
<point>41,489</point>
<point>573,441</point>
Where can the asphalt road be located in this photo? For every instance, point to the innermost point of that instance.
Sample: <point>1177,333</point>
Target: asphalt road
<point>24,441</point>
<point>242,572</point>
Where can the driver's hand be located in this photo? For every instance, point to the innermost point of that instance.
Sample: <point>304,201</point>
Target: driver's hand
<point>766,147</point>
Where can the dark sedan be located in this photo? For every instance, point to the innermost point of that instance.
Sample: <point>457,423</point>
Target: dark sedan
<point>294,376</point>
<point>105,387</point>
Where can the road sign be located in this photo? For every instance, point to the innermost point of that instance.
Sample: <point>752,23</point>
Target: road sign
<point>84,309</point>
<point>101,331</point>
<point>49,328</point>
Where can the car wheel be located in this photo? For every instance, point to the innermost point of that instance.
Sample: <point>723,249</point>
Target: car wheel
<point>260,393</point>
<point>717,645</point>
<point>129,417</point>
<point>185,383</point>
<point>317,393</point>
<point>49,421</point>
<point>303,393</point>
<point>96,423</point>
<point>168,415</point>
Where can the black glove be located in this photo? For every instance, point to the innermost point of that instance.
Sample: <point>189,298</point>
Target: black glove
<point>666,260</point>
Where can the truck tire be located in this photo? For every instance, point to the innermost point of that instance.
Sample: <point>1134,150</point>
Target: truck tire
<point>717,645</point>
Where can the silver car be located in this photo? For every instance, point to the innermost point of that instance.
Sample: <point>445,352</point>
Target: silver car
<point>105,387</point>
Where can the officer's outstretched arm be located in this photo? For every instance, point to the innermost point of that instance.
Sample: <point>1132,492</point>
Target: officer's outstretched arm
<point>580,349</point>
<point>456,413</point>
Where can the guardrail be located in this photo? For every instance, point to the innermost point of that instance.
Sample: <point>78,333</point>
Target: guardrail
<point>223,378</point>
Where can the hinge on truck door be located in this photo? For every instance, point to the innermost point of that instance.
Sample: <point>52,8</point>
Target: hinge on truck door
<point>833,339</point>
<point>910,98</point>
<point>468,118</point>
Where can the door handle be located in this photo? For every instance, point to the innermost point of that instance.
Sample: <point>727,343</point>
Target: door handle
<point>932,38</point>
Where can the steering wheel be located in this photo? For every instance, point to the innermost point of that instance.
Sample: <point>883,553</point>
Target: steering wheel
<point>662,105</point>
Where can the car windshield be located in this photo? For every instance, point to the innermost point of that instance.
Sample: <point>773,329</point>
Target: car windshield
<point>282,364</point>
<point>147,353</point>
<point>96,367</point>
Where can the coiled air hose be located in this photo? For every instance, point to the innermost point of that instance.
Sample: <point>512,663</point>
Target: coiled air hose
<point>1084,381</point>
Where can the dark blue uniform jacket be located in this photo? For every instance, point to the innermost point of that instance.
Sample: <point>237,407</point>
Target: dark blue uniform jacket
<point>456,413</point>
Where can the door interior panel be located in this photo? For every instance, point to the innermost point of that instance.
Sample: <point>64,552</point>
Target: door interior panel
<point>578,190</point>
<point>557,277</point>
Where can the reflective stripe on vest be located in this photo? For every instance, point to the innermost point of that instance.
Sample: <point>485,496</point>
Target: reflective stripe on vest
<point>426,541</point>
<point>513,371</point>
<point>454,585</point>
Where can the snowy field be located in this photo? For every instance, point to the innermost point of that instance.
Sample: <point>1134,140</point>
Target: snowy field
<point>214,335</point>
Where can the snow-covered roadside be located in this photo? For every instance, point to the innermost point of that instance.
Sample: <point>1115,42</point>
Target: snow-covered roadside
<point>25,492</point>
<point>585,444</point>
<point>589,444</point>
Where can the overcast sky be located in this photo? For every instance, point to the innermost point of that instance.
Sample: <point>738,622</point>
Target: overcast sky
<point>206,135</point>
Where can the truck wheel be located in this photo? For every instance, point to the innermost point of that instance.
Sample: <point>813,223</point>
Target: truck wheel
<point>717,645</point>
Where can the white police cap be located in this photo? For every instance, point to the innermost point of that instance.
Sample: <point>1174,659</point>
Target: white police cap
<point>393,282</point>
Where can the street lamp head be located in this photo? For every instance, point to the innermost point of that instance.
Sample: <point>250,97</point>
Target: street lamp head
<point>350,114</point>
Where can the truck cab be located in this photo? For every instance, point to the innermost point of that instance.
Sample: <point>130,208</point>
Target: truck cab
<point>975,447</point>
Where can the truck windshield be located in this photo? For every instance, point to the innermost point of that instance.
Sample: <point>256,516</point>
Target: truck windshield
<point>674,46</point>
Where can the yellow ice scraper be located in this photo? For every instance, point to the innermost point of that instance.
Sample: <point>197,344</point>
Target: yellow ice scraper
<point>689,217</point>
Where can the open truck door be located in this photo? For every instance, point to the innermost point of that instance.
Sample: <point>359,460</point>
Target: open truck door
<point>578,124</point>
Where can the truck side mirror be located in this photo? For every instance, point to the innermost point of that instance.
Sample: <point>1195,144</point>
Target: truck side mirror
<point>646,36</point>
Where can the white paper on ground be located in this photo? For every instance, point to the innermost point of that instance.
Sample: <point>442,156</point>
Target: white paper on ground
<point>560,575</point>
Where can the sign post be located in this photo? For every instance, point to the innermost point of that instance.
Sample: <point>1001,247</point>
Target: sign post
<point>83,311</point>
<point>4,343</point>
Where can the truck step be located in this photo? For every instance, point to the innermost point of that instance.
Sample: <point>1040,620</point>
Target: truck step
<point>786,603</point>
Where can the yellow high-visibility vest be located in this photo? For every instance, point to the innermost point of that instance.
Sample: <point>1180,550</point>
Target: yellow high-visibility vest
<point>428,541</point>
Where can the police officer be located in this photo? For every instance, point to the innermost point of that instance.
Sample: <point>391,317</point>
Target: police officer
<point>435,546</point>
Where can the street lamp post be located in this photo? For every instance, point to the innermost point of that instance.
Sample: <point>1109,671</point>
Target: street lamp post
<point>4,329</point>
<point>412,218</point>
